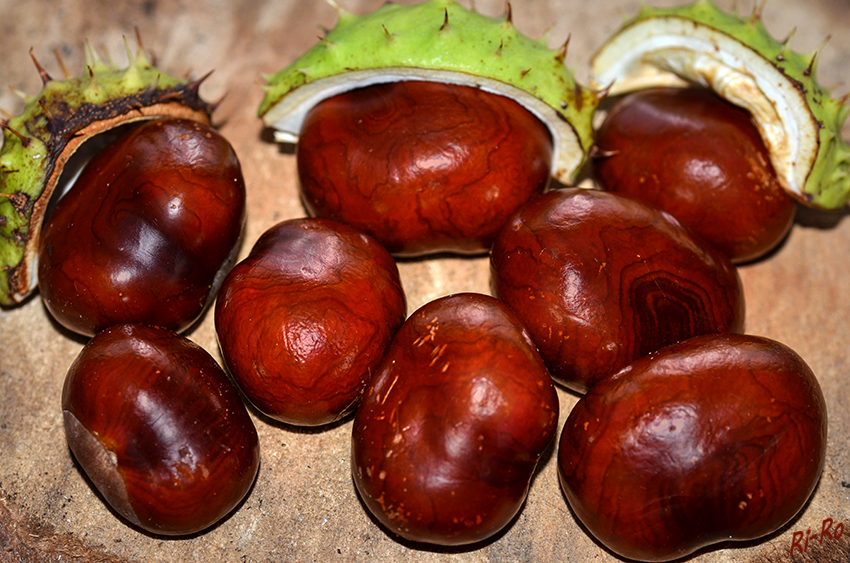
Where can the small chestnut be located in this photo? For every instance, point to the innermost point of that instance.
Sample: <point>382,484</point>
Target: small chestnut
<point>159,429</point>
<point>452,425</point>
<point>700,158</point>
<point>303,321</point>
<point>146,230</point>
<point>720,437</point>
<point>423,167</point>
<point>601,279</point>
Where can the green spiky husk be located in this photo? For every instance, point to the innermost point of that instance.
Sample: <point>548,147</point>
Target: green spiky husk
<point>827,184</point>
<point>440,36</point>
<point>39,141</point>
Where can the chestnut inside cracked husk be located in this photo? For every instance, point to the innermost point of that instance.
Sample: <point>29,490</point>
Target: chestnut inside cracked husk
<point>146,230</point>
<point>424,167</point>
<point>698,157</point>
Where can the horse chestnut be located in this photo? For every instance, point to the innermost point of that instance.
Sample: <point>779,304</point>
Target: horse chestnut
<point>600,279</point>
<point>159,429</point>
<point>423,167</point>
<point>145,231</point>
<point>305,318</point>
<point>691,153</point>
<point>719,437</point>
<point>452,425</point>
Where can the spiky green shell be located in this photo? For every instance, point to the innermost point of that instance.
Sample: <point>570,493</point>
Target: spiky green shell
<point>38,143</point>
<point>738,58</point>
<point>443,41</point>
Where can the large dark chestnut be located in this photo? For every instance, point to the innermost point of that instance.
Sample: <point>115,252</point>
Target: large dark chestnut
<point>304,320</point>
<point>145,231</point>
<point>423,167</point>
<point>159,429</point>
<point>600,279</point>
<point>721,437</point>
<point>691,153</point>
<point>453,423</point>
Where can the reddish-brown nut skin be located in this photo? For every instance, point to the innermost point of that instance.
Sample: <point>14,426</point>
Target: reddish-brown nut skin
<point>303,321</point>
<point>423,167</point>
<point>159,429</point>
<point>600,280</point>
<point>145,231</point>
<point>451,428</point>
<point>721,437</point>
<point>691,153</point>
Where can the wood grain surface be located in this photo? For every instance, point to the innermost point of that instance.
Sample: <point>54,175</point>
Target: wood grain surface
<point>303,506</point>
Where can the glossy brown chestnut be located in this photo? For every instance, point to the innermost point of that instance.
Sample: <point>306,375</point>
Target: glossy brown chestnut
<point>452,426</point>
<point>146,229</point>
<point>304,320</point>
<point>691,153</point>
<point>721,437</point>
<point>600,280</point>
<point>423,167</point>
<point>159,429</point>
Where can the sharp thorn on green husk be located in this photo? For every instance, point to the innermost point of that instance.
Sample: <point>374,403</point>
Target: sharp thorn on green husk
<point>758,10</point>
<point>130,56</point>
<point>787,41</point>
<point>786,44</point>
<point>195,85</point>
<point>509,14</point>
<point>61,62</point>
<point>139,44</point>
<point>45,78</point>
<point>92,79</point>
<point>91,56</point>
<point>19,93</point>
<point>445,19</point>
<point>603,93</point>
<point>562,52</point>
<point>45,109</point>
<point>498,52</point>
<point>387,33</point>
<point>813,62</point>
<point>24,140</point>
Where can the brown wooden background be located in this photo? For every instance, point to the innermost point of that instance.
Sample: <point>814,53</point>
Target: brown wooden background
<point>303,506</point>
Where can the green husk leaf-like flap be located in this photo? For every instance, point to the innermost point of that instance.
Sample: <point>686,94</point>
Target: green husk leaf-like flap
<point>38,143</point>
<point>438,40</point>
<point>738,58</point>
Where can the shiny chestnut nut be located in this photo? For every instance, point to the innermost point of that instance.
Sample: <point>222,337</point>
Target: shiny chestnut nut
<point>451,427</point>
<point>303,321</point>
<point>146,230</point>
<point>423,167</point>
<point>721,437</point>
<point>695,155</point>
<point>159,429</point>
<point>601,279</point>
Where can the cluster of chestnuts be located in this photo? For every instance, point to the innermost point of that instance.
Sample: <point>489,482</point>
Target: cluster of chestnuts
<point>627,295</point>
